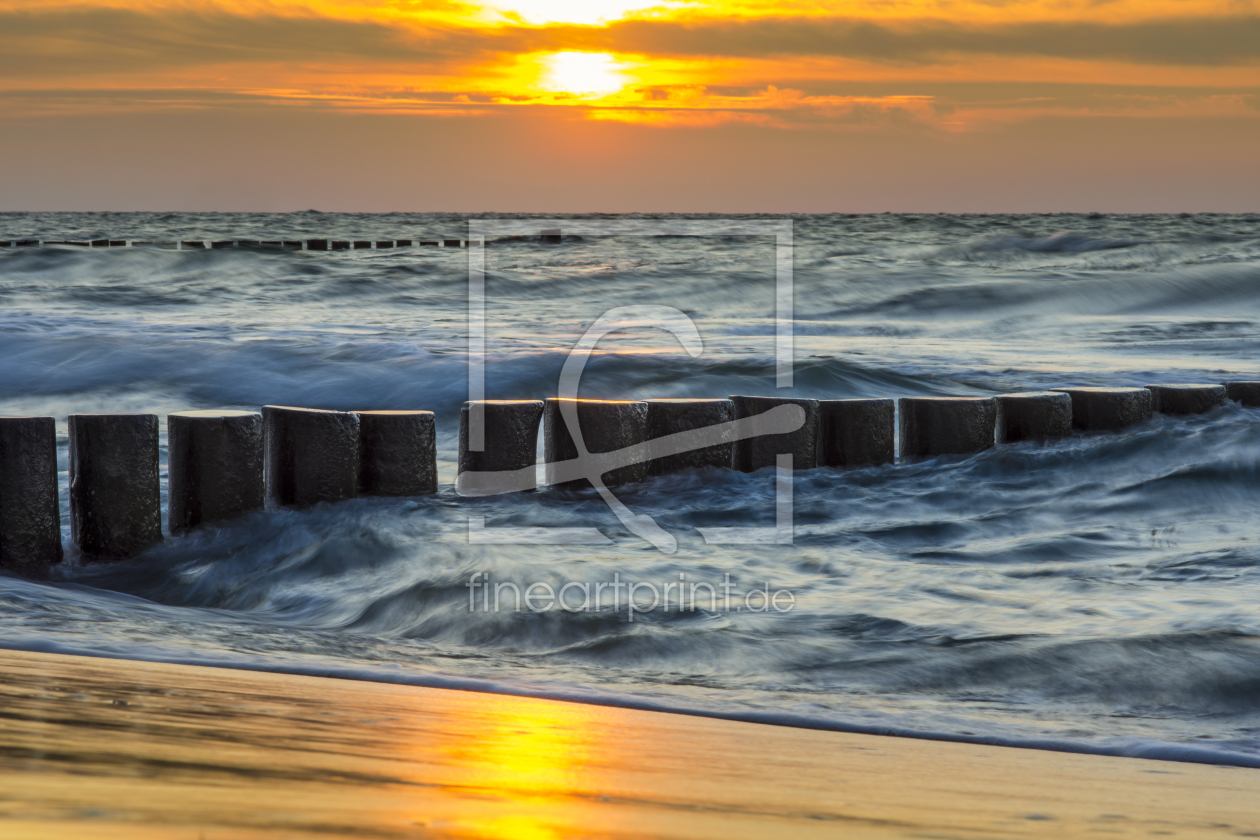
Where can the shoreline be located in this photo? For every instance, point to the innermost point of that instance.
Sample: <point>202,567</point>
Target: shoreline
<point>1146,751</point>
<point>94,747</point>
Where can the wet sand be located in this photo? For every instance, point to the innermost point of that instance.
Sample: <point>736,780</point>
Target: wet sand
<point>96,748</point>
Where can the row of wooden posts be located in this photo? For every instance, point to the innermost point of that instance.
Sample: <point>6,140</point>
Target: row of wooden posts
<point>261,244</point>
<point>224,464</point>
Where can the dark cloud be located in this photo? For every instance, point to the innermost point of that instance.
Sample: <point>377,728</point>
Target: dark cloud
<point>82,42</point>
<point>87,41</point>
<point>1189,41</point>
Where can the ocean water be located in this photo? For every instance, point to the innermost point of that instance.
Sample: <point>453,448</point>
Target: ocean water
<point>1100,594</point>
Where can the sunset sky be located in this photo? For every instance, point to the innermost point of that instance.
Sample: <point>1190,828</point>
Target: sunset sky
<point>589,105</point>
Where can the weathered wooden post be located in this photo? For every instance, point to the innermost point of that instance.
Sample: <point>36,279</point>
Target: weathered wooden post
<point>856,433</point>
<point>606,426</point>
<point>215,467</point>
<point>1033,415</point>
<point>397,453</point>
<point>762,450</point>
<point>311,455</point>
<point>932,426</point>
<point>509,447</point>
<point>115,496</point>
<point>30,510</point>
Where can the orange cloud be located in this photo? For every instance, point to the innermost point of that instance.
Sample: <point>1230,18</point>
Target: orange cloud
<point>654,62</point>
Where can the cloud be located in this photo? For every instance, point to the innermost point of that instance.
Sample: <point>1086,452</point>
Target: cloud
<point>1220,41</point>
<point>85,41</point>
<point>92,59</point>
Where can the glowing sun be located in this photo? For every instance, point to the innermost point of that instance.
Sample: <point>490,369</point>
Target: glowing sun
<point>582,73</point>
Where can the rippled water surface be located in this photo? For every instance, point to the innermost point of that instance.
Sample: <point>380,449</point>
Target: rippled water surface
<point>1098,593</point>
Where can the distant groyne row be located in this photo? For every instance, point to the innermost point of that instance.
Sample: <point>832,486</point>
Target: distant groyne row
<point>225,464</point>
<point>251,244</point>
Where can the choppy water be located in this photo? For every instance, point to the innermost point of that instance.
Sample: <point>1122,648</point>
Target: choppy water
<point>1100,593</point>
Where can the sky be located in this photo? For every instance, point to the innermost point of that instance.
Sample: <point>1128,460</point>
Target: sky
<point>560,106</point>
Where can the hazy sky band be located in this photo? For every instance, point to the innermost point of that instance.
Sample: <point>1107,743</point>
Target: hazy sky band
<point>939,67</point>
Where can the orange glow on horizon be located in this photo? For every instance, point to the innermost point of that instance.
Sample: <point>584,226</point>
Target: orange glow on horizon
<point>953,64</point>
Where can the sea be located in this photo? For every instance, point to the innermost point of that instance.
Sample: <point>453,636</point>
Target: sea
<point>1099,594</point>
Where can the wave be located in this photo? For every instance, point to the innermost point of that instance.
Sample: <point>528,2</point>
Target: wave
<point>1091,594</point>
<point>1072,242</point>
<point>1153,750</point>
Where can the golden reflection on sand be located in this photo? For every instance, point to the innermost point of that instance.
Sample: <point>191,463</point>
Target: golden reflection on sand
<point>95,748</point>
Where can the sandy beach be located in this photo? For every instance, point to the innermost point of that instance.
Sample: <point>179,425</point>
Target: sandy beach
<point>99,748</point>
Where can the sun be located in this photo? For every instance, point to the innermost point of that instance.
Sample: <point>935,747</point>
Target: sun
<point>583,73</point>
